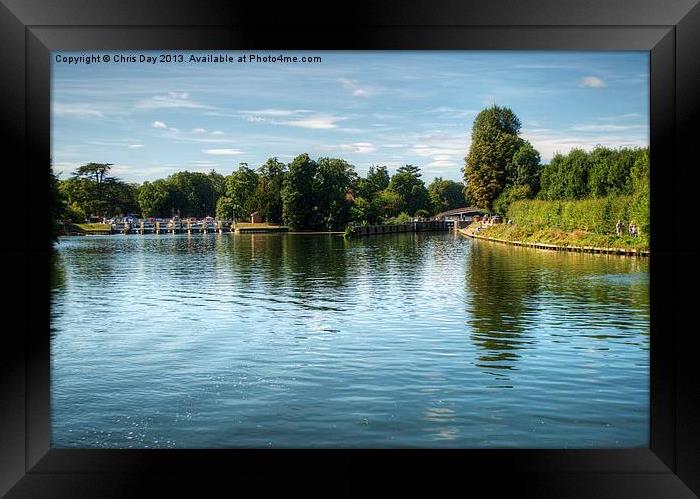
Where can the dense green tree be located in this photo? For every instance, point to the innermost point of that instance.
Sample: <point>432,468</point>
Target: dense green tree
<point>241,187</point>
<point>566,176</point>
<point>332,184</point>
<point>226,209</point>
<point>494,143</point>
<point>446,195</point>
<point>298,203</point>
<point>377,180</point>
<point>386,204</point>
<point>154,199</point>
<point>601,160</point>
<point>526,167</point>
<point>57,206</point>
<point>88,187</point>
<point>192,194</point>
<point>640,199</point>
<point>410,188</point>
<point>218,183</point>
<point>269,190</point>
<point>510,195</point>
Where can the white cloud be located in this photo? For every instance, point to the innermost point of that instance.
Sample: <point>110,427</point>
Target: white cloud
<point>626,116</point>
<point>352,85</point>
<point>222,152</point>
<point>217,133</point>
<point>592,82</point>
<point>136,146</point>
<point>275,112</point>
<point>393,146</point>
<point>172,100</point>
<point>442,162</point>
<point>159,124</point>
<point>76,111</point>
<point>315,122</point>
<point>356,147</point>
<point>606,128</point>
<point>199,130</point>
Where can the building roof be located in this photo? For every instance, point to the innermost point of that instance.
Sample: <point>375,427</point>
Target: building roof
<point>459,211</point>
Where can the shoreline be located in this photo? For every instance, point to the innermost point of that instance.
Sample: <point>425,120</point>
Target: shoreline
<point>556,247</point>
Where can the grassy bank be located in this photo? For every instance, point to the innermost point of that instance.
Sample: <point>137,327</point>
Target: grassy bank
<point>84,229</point>
<point>93,227</point>
<point>575,238</point>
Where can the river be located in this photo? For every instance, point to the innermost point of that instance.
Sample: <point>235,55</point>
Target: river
<point>406,340</point>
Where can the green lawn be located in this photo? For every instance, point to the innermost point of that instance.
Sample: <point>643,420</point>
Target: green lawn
<point>93,227</point>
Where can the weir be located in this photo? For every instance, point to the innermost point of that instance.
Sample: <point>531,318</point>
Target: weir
<point>423,226</point>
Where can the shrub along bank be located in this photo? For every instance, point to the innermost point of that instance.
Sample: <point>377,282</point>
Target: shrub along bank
<point>584,222</point>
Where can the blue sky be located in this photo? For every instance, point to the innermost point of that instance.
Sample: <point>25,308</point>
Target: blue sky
<point>370,108</point>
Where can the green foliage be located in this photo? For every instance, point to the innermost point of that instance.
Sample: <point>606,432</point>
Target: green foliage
<point>387,204</point>
<point>489,163</point>
<point>597,215</point>
<point>581,174</point>
<point>226,210</point>
<point>298,203</point>
<point>409,187</point>
<point>240,189</point>
<point>92,191</point>
<point>640,208</point>
<point>332,183</point>
<point>422,213</point>
<point>57,206</point>
<point>377,180</point>
<point>154,198</point>
<point>269,191</point>
<point>192,194</point>
<point>401,218</point>
<point>526,168</point>
<point>445,195</point>
<point>510,195</point>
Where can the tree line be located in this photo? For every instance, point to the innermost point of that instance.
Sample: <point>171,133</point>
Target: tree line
<point>326,194</point>
<point>502,168</point>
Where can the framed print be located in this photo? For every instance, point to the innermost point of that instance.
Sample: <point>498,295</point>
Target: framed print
<point>412,248</point>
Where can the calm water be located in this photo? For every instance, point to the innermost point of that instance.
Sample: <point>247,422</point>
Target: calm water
<point>412,340</point>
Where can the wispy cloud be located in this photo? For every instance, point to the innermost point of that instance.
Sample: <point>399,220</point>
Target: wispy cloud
<point>275,112</point>
<point>592,82</point>
<point>316,122</point>
<point>222,152</point>
<point>135,146</point>
<point>159,124</point>
<point>606,128</point>
<point>76,111</point>
<point>626,116</point>
<point>172,100</point>
<point>356,89</point>
<point>355,147</point>
<point>199,130</point>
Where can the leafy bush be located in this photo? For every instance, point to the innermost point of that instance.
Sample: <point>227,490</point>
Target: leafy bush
<point>597,215</point>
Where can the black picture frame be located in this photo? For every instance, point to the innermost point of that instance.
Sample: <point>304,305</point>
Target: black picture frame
<point>669,30</point>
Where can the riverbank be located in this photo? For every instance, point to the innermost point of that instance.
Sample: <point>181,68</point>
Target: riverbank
<point>558,240</point>
<point>71,229</point>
